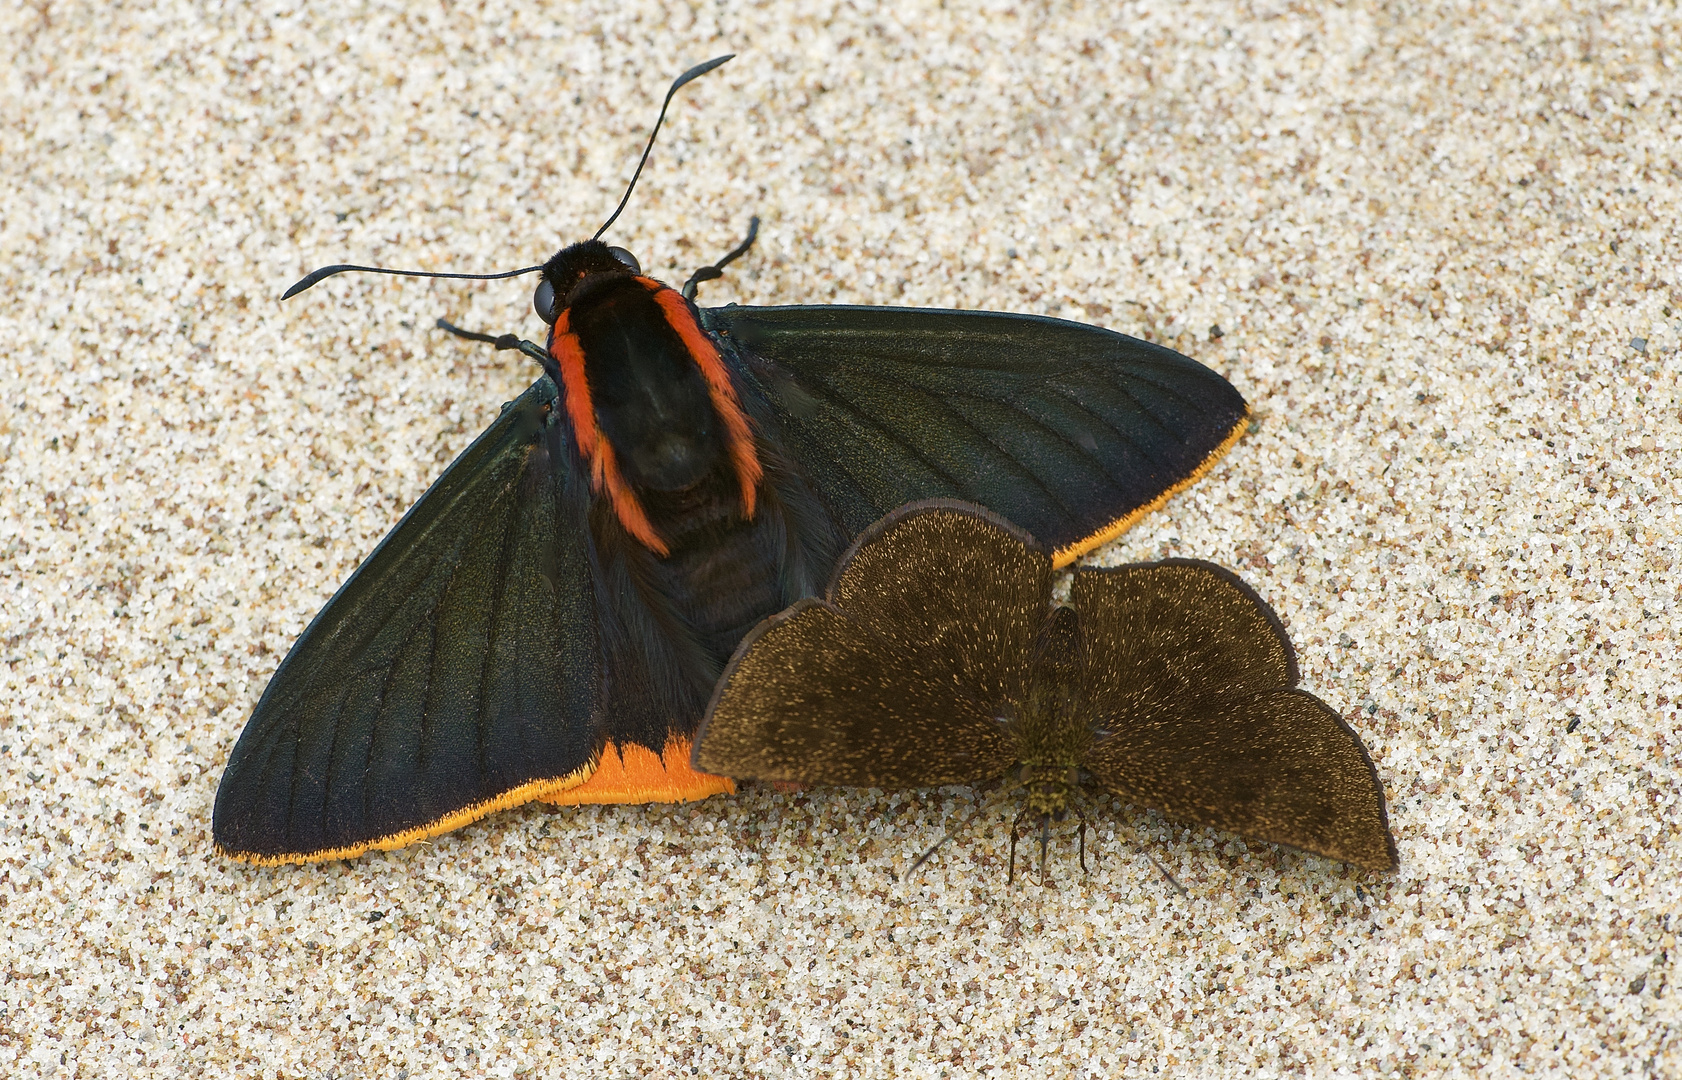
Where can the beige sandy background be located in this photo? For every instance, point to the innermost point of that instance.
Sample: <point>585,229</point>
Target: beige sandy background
<point>1440,244</point>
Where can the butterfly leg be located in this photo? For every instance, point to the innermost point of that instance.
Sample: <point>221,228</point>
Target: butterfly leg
<point>501,341</point>
<point>1163,870</point>
<point>1010,877</point>
<point>1015,827</point>
<point>1079,812</point>
<point>510,341</point>
<point>716,270</point>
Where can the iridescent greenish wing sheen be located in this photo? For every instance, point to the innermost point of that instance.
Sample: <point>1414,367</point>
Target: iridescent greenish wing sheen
<point>459,663</point>
<point>1194,692</point>
<point>1067,430</point>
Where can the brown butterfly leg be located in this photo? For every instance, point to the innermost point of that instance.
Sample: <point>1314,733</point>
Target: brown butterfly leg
<point>1081,813</point>
<point>1015,826</point>
<point>1163,870</point>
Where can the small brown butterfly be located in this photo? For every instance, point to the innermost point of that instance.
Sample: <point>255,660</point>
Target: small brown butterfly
<point>939,657</point>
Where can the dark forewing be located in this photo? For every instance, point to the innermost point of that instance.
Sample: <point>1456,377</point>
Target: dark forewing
<point>1068,430</point>
<point>455,672</point>
<point>897,681</point>
<point>1194,684</point>
<point>812,696</point>
<point>953,587</point>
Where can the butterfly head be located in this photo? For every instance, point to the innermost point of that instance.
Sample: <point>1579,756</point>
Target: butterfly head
<point>575,269</point>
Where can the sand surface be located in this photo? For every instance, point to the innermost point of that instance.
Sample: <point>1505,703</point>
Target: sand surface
<point>1441,247</point>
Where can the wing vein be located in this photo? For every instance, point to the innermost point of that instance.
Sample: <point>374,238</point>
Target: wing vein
<point>1104,422</point>
<point>499,595</point>
<point>864,419</point>
<point>373,728</point>
<point>1012,405</point>
<point>1173,392</point>
<point>424,623</point>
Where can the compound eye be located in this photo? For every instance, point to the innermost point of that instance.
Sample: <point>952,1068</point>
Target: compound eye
<point>543,301</point>
<point>627,258</point>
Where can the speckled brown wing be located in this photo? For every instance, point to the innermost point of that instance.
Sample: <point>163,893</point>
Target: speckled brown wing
<point>1194,686</point>
<point>954,587</point>
<point>895,681</point>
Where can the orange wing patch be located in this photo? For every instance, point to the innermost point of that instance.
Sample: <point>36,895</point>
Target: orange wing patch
<point>597,450</point>
<point>636,774</point>
<point>738,435</point>
<point>1063,556</point>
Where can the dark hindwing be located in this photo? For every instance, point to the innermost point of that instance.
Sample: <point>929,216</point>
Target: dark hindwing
<point>900,678</point>
<point>1195,687</point>
<point>1068,430</point>
<point>815,697</point>
<point>456,669</point>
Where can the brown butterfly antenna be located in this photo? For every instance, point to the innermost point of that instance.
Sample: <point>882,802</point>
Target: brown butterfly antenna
<point>1163,870</point>
<point>1140,848</point>
<point>998,797</point>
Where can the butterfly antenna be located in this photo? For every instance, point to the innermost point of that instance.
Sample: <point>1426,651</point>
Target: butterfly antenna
<point>315,276</point>
<point>956,829</point>
<point>934,847</point>
<point>1045,841</point>
<point>682,80</point>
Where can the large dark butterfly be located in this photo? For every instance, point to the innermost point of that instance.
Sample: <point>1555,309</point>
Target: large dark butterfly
<point>549,620</point>
<point>938,657</point>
